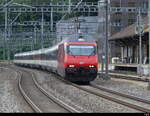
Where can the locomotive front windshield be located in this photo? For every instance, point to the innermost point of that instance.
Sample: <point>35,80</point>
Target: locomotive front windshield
<point>81,50</point>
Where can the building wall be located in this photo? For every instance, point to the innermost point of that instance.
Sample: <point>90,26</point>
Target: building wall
<point>66,28</point>
<point>124,13</point>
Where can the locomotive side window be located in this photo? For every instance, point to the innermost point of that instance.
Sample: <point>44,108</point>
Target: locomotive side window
<point>59,53</point>
<point>81,50</point>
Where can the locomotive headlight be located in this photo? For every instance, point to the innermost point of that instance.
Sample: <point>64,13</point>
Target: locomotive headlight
<point>71,66</point>
<point>91,66</point>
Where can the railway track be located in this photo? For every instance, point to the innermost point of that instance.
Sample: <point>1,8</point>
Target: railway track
<point>132,102</point>
<point>120,98</point>
<point>29,101</point>
<point>126,76</point>
<point>56,104</point>
<point>125,96</point>
<point>13,77</point>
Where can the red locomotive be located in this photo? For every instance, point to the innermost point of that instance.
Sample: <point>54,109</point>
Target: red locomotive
<point>74,59</point>
<point>78,62</point>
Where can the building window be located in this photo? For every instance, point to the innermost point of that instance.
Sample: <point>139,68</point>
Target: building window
<point>131,21</point>
<point>118,20</point>
<point>117,14</point>
<point>131,4</point>
<point>117,29</point>
<point>145,4</point>
<point>115,4</point>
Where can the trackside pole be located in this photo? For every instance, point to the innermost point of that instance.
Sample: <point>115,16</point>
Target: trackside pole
<point>104,10</point>
<point>106,43</point>
<point>149,40</point>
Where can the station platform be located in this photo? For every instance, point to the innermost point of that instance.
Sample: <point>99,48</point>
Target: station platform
<point>128,70</point>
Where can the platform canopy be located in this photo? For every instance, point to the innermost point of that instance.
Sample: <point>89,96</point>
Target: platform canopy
<point>130,31</point>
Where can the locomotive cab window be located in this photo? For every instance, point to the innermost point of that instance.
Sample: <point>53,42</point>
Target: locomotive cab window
<point>81,50</point>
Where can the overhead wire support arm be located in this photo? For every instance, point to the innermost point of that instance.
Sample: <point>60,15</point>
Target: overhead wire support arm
<point>70,11</point>
<point>23,5</point>
<point>7,4</point>
<point>15,18</point>
<point>6,26</point>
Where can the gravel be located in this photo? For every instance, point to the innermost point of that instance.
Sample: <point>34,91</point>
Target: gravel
<point>138,89</point>
<point>10,98</point>
<point>12,101</point>
<point>79,99</point>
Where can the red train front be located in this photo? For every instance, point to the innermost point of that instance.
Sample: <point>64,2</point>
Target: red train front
<point>78,61</point>
<point>74,58</point>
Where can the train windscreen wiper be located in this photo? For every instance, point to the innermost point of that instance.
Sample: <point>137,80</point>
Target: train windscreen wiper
<point>91,54</point>
<point>70,52</point>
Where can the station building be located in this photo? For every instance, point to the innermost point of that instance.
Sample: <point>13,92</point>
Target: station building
<point>122,14</point>
<point>124,42</point>
<point>127,55</point>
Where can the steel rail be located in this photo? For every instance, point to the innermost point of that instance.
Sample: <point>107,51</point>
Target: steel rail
<point>133,106</point>
<point>130,105</point>
<point>51,97</point>
<point>126,76</point>
<point>57,101</point>
<point>121,94</point>
<point>29,101</point>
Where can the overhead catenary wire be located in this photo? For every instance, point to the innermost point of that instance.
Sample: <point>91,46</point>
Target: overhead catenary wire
<point>69,12</point>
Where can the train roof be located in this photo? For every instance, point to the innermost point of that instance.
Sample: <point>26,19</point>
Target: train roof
<point>72,38</point>
<point>79,38</point>
<point>36,52</point>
